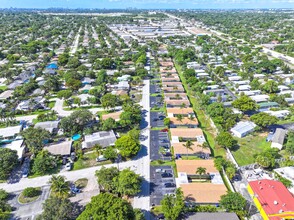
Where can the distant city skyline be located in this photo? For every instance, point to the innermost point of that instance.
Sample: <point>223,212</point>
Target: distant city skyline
<point>149,4</point>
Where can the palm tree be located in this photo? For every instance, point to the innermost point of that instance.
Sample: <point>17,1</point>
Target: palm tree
<point>188,145</point>
<point>98,148</point>
<point>59,186</point>
<point>191,117</point>
<point>204,146</point>
<point>177,96</point>
<point>180,118</point>
<point>201,171</point>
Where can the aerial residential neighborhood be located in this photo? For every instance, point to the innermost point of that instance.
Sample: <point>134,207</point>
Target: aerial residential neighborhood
<point>113,112</point>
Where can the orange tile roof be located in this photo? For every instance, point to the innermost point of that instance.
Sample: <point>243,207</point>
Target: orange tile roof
<point>196,148</point>
<point>186,132</point>
<point>185,121</point>
<point>171,79</point>
<point>166,63</point>
<point>174,95</point>
<point>171,84</point>
<point>190,166</point>
<point>203,192</point>
<point>114,115</point>
<point>178,88</point>
<point>179,110</point>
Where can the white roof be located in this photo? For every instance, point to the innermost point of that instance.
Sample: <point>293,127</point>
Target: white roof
<point>17,146</point>
<point>243,127</point>
<point>10,131</point>
<point>260,98</point>
<point>104,138</point>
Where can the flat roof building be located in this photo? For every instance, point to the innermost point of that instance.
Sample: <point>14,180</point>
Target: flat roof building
<point>242,128</point>
<point>104,138</point>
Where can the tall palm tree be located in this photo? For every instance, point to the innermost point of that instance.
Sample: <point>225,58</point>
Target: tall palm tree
<point>188,145</point>
<point>59,186</point>
<point>201,171</point>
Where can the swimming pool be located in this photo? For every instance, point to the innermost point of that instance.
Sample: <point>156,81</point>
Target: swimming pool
<point>76,137</point>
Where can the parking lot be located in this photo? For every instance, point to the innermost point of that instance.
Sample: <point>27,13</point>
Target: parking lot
<point>156,102</point>
<point>159,139</point>
<point>157,119</point>
<point>154,89</point>
<point>158,188</point>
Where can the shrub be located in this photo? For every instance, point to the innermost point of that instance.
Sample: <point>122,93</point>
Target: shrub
<point>30,192</point>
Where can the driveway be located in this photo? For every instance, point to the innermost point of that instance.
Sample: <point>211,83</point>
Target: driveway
<point>30,210</point>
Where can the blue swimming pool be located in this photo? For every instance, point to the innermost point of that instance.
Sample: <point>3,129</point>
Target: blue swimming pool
<point>76,137</point>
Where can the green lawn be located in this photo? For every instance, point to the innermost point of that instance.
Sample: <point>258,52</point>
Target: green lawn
<point>88,160</point>
<point>204,121</point>
<point>3,88</point>
<point>51,104</point>
<point>248,146</point>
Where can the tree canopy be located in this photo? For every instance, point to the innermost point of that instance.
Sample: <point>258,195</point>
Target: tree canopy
<point>263,119</point>
<point>8,160</point>
<point>127,146</point>
<point>173,205</point>
<point>245,103</point>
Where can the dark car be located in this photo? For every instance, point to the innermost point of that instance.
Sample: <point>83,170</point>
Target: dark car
<point>164,130</point>
<point>166,175</point>
<point>64,160</point>
<point>167,154</point>
<point>169,185</point>
<point>160,216</point>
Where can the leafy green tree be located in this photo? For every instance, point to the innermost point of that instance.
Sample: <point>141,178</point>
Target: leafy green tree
<point>231,172</point>
<point>219,162</point>
<point>127,146</point>
<point>77,121</point>
<point>263,161</point>
<point>131,115</point>
<point>59,187</point>
<point>106,206</point>
<point>66,94</point>
<point>31,192</point>
<point>290,142</point>
<point>34,138</point>
<point>128,183</point>
<point>109,101</point>
<point>173,205</point>
<point>139,214</point>
<point>63,59</point>
<point>107,178</point>
<point>73,84</point>
<point>255,84</point>
<point>108,124</point>
<point>263,119</point>
<point>55,208</point>
<point>3,195</point>
<point>225,139</point>
<point>110,153</point>
<point>245,103</point>
<point>43,163</point>
<point>5,208</point>
<point>73,62</point>
<point>270,87</point>
<point>233,202</point>
<point>8,160</point>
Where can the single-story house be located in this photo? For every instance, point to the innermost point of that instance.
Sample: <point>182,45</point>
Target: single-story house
<point>104,138</point>
<point>278,138</point>
<point>190,166</point>
<point>10,133</point>
<point>173,112</point>
<point>203,193</point>
<point>87,81</point>
<point>18,146</point>
<point>193,134</point>
<point>180,149</point>
<point>279,114</point>
<point>114,115</point>
<point>215,92</point>
<point>51,126</point>
<point>242,128</point>
<point>6,94</point>
<point>265,106</point>
<point>213,215</point>
<point>60,149</point>
<point>185,122</point>
<point>85,88</point>
<point>177,103</point>
<point>260,98</point>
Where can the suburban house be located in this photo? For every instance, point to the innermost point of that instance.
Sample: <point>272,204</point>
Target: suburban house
<point>173,89</point>
<point>18,146</point>
<point>60,149</point>
<point>10,133</point>
<point>196,149</point>
<point>272,199</point>
<point>184,134</point>
<point>288,173</point>
<point>51,126</point>
<point>177,102</point>
<point>195,190</point>
<point>213,215</point>
<point>278,138</point>
<point>6,95</point>
<point>186,112</point>
<point>104,138</point>
<point>214,92</point>
<point>265,106</point>
<point>184,122</point>
<point>113,115</point>
<point>242,128</point>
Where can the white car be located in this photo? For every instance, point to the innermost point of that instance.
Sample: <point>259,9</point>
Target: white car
<point>68,166</point>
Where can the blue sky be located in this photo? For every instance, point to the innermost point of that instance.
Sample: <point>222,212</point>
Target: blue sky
<point>145,4</point>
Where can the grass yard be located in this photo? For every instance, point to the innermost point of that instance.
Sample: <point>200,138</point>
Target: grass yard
<point>81,183</point>
<point>88,160</point>
<point>204,120</point>
<point>248,146</point>
<point>22,199</point>
<point>51,104</point>
<point>2,88</point>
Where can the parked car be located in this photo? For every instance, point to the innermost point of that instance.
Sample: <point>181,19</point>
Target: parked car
<point>159,170</point>
<point>25,173</point>
<point>73,156</point>
<point>166,175</point>
<point>64,161</point>
<point>68,166</point>
<point>169,185</point>
<point>100,158</point>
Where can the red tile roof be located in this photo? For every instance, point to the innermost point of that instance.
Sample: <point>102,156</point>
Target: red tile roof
<point>273,196</point>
